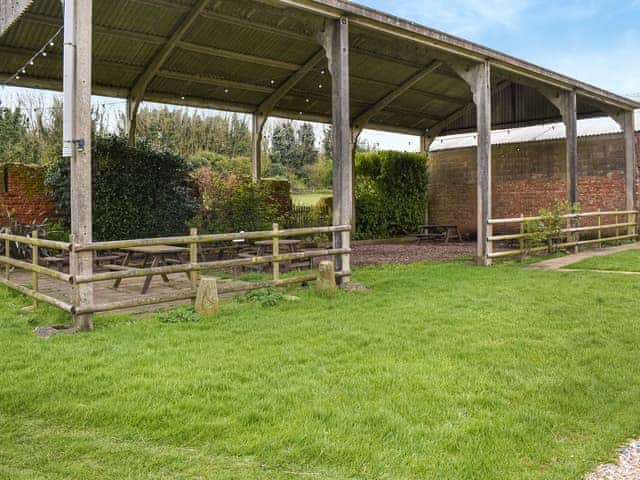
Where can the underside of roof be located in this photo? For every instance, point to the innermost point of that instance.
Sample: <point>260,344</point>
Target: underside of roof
<point>236,53</point>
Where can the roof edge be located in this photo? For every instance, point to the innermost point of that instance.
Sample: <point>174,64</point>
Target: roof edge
<point>10,11</point>
<point>368,17</point>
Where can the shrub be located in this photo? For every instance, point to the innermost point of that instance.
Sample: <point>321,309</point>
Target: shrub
<point>233,204</point>
<point>391,193</point>
<point>137,192</point>
<point>548,230</point>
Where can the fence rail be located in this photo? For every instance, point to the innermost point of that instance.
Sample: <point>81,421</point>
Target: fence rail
<point>34,267</point>
<point>571,234</point>
<point>194,267</point>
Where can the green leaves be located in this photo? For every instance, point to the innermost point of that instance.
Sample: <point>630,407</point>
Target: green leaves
<point>391,193</point>
<point>137,192</point>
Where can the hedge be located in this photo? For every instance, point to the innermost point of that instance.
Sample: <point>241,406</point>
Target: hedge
<point>137,192</point>
<point>391,191</point>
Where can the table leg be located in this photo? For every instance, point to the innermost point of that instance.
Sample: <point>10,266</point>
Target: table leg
<point>149,278</point>
<point>161,262</point>
<point>125,263</point>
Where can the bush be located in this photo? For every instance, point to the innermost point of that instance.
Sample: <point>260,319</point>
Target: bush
<point>391,193</point>
<point>233,204</point>
<point>137,192</point>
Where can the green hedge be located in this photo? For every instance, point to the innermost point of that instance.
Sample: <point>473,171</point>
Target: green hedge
<point>137,192</point>
<point>391,192</point>
<point>233,203</point>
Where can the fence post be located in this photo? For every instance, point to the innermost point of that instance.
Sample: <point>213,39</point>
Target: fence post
<point>7,254</point>
<point>193,259</point>
<point>276,252</point>
<point>523,245</point>
<point>576,235</point>
<point>35,258</point>
<point>617,228</point>
<point>599,228</point>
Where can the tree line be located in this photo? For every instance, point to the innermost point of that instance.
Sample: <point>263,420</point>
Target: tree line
<point>31,132</point>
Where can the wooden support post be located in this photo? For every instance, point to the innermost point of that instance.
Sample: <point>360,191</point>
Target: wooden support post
<point>276,252</point>
<point>7,253</point>
<point>35,260</point>
<point>425,145</point>
<point>567,104</point>
<point>599,228</point>
<point>193,259</point>
<point>478,78</point>
<point>523,241</point>
<point>571,122</point>
<point>78,33</point>
<point>335,41</point>
<point>627,123</point>
<point>131,123</point>
<point>256,146</point>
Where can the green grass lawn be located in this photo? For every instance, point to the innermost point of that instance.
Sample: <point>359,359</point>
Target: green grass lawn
<point>628,261</point>
<point>309,199</point>
<point>440,371</point>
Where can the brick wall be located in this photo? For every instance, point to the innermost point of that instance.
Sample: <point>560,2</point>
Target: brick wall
<point>22,192</point>
<point>526,178</point>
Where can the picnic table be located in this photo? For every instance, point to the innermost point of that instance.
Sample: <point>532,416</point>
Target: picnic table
<point>266,246</point>
<point>160,255</point>
<point>439,232</point>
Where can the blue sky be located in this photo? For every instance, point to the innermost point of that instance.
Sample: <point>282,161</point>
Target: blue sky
<point>597,41</point>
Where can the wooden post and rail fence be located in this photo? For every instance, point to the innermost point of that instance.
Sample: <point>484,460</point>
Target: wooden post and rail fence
<point>569,237</point>
<point>193,268</point>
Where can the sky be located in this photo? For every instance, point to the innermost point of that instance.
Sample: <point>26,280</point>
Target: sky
<point>595,41</point>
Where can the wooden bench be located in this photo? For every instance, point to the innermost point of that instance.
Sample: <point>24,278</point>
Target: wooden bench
<point>443,233</point>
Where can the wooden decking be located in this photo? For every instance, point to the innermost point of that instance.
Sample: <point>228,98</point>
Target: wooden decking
<point>104,292</point>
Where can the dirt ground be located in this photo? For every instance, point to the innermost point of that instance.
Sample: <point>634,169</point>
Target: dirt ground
<point>408,252</point>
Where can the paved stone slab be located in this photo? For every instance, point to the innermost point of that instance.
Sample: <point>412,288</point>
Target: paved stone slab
<point>563,262</point>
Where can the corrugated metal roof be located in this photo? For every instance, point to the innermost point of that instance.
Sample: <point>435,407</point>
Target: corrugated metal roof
<point>238,52</point>
<point>540,133</point>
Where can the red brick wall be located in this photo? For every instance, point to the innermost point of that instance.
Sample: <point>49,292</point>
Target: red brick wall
<point>526,178</point>
<point>27,198</point>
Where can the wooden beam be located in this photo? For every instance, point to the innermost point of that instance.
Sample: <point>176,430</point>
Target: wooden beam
<point>362,120</point>
<point>216,82</point>
<point>163,54</point>
<point>240,57</point>
<point>335,41</point>
<point>438,128</point>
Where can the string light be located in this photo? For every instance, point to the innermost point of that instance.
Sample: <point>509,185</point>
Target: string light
<point>41,52</point>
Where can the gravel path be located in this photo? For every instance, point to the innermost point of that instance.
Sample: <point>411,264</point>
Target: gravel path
<point>380,254</point>
<point>628,467</point>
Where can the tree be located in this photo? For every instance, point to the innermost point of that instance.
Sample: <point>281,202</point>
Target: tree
<point>239,138</point>
<point>307,152</point>
<point>283,146</point>
<point>327,143</point>
<point>14,138</point>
